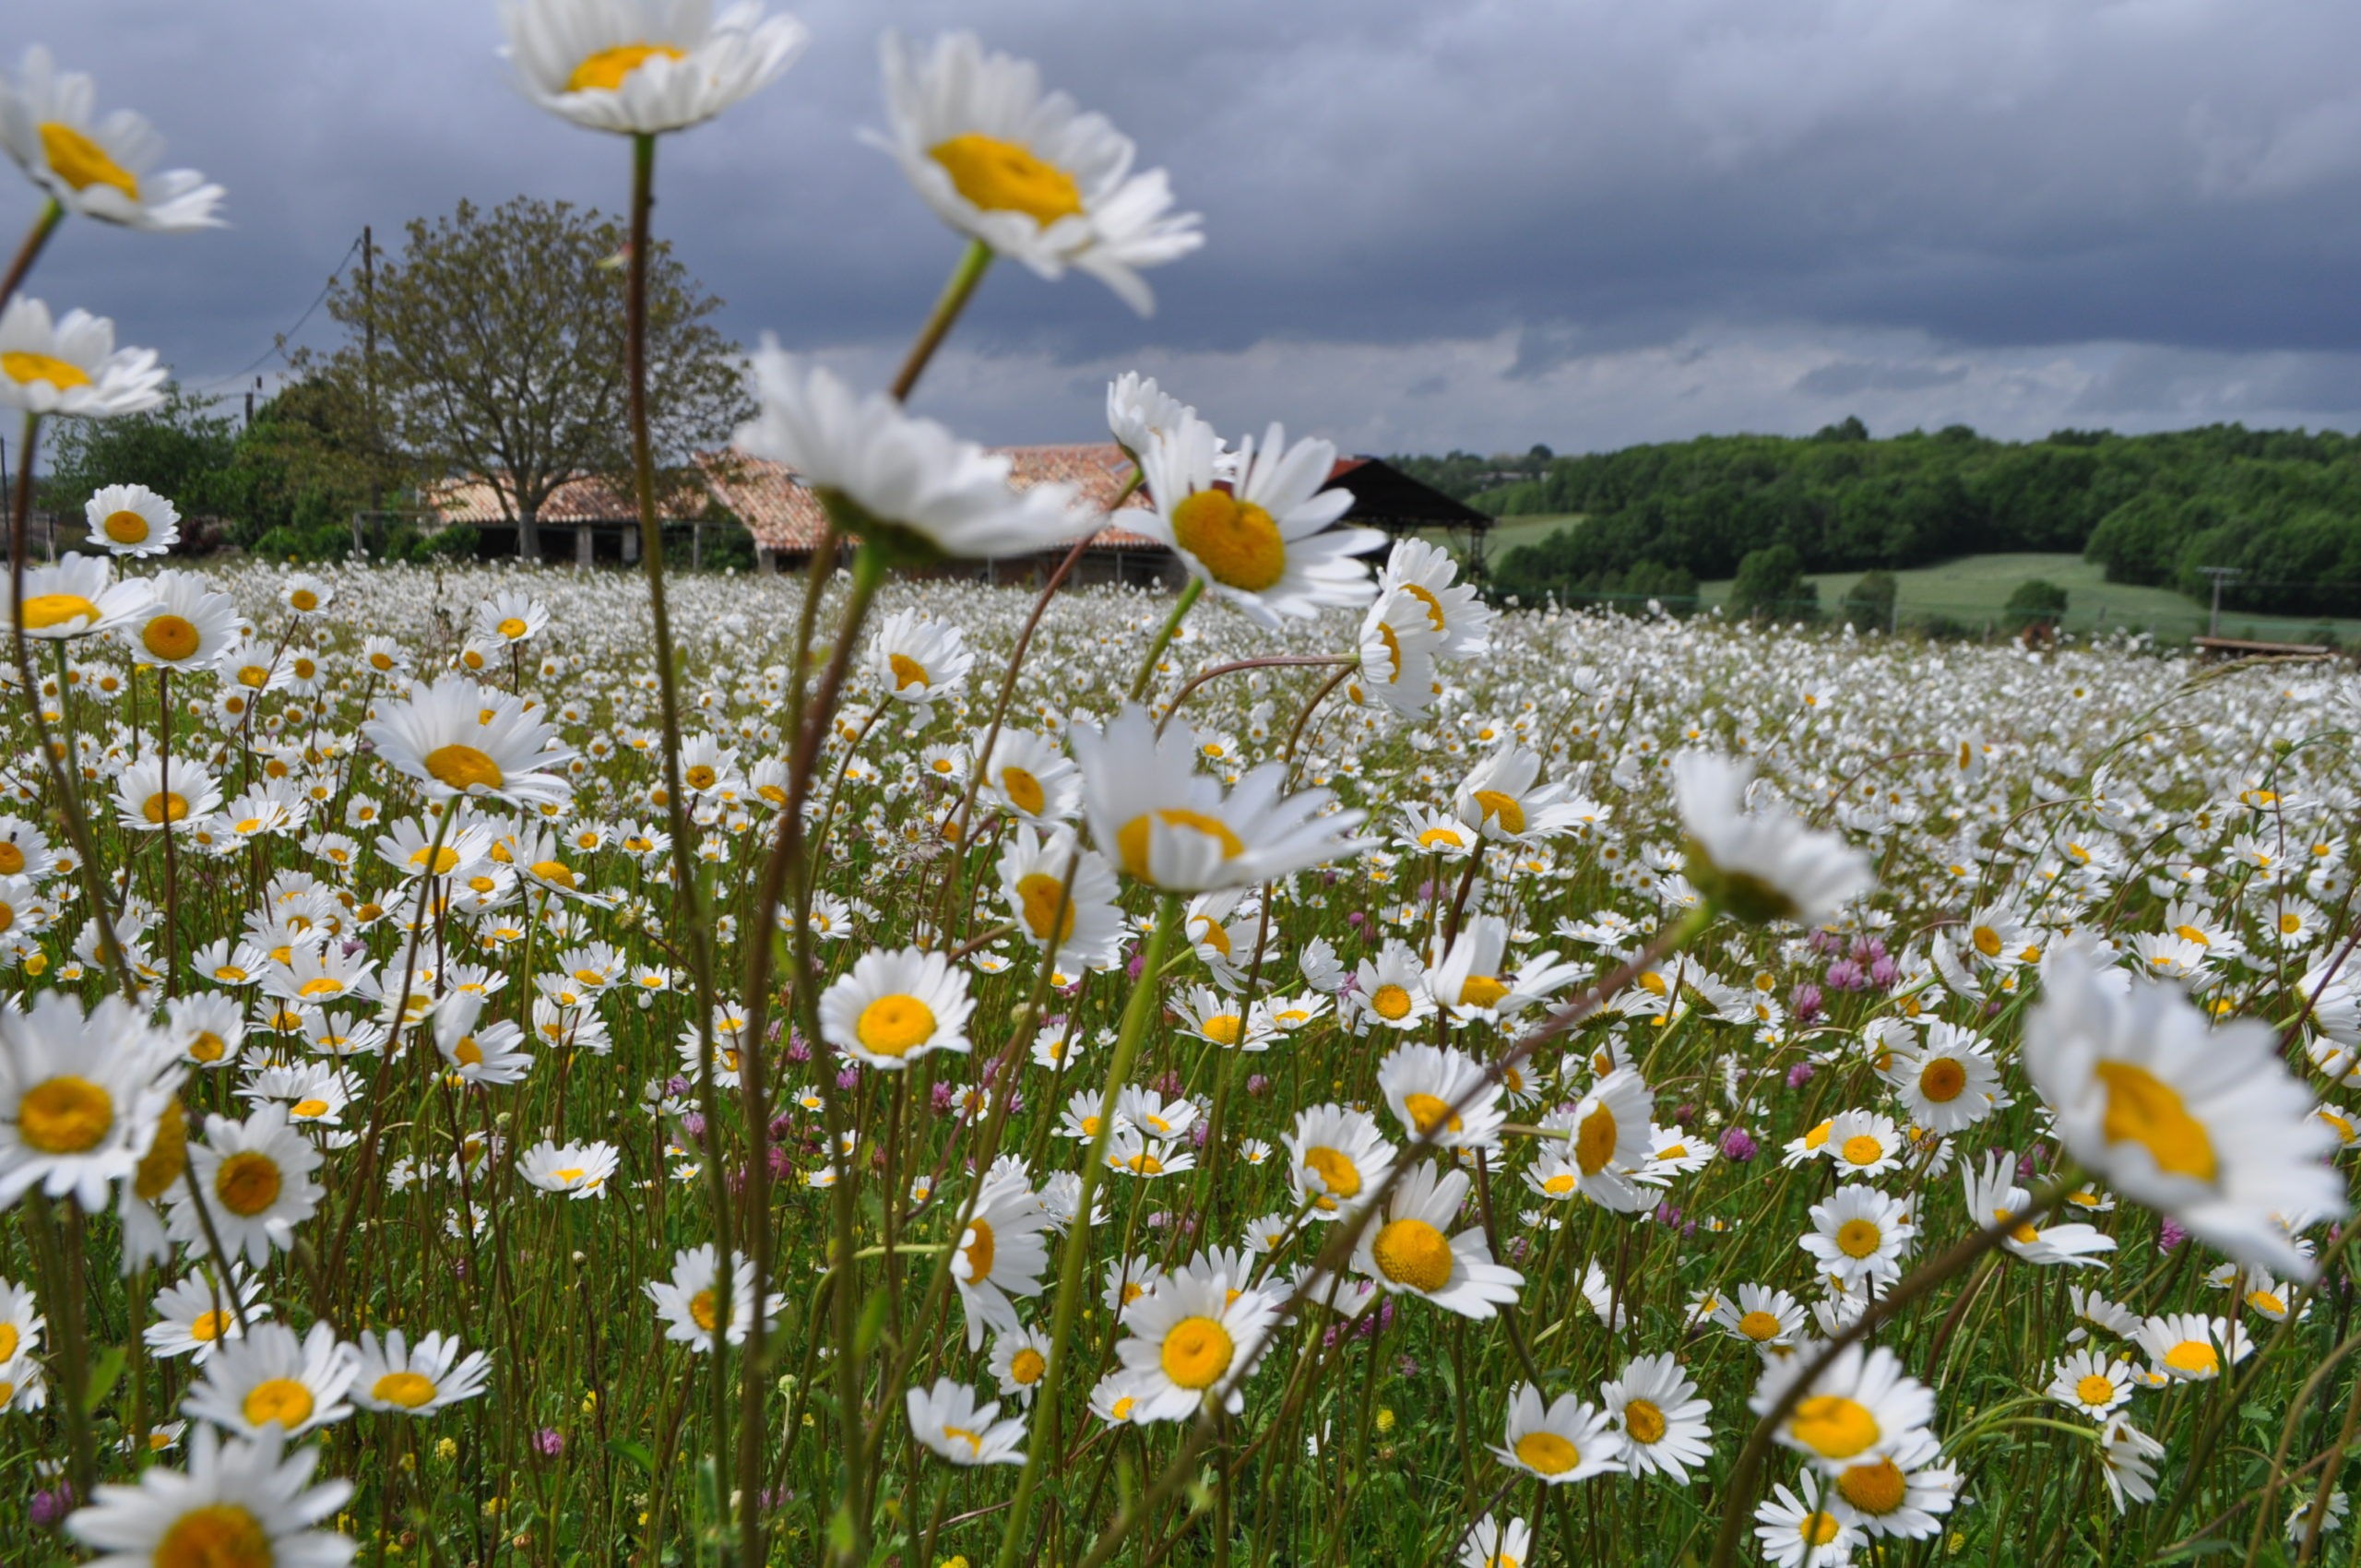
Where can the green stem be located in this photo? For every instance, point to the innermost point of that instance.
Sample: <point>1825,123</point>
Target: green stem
<point>1136,1014</point>
<point>1180,609</point>
<point>956,294</point>
<point>35,238</point>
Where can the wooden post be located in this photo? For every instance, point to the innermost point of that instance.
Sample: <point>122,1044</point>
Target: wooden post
<point>583,545</point>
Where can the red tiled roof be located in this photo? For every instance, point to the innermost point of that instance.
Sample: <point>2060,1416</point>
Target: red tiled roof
<point>586,500</point>
<point>784,516</point>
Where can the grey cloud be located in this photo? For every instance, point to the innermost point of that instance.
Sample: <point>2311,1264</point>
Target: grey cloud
<point>1843,378</point>
<point>1594,183</point>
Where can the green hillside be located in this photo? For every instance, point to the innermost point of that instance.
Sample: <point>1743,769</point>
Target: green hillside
<point>1971,590</point>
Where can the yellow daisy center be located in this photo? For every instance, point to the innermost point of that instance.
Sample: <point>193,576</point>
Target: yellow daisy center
<point>281,1399</point>
<point>43,610</point>
<point>1413,1253</point>
<point>464,767</point>
<point>699,776</point>
<point>1817,1530</point>
<point>1941,1080</point>
<point>1832,1426</point>
<point>407,1389</point>
<point>2192,1355</point>
<point>1643,1421</point>
<point>65,1115</point>
<point>2144,1109</point>
<point>1863,1149</point>
<point>2094,1389</point>
<point>220,1535</point>
<point>1481,991</point>
<point>605,71</point>
<point>444,857</point>
<point>164,806</point>
<point>1595,1140</point>
<point>908,672</point>
<point>1336,1170</point>
<point>511,627</point>
<point>25,368</point>
<point>166,1157</point>
<point>1759,1326</point>
<point>1390,1002</point>
<point>1222,1028</point>
<point>1429,1112</point>
<point>892,1026</point>
<point>125,527</point>
<point>1197,1351</point>
<point>1434,605</point>
<point>1028,1365</point>
<point>704,1310</point>
<point>1876,1488</point>
<point>81,162</point>
<point>1546,1453</point>
<point>1024,791</point>
<point>1857,1238</point>
<point>209,1326</point>
<point>1132,838</point>
<point>1501,807</point>
<point>1000,176</point>
<point>247,1184</point>
<point>1040,895</point>
<point>1236,542</point>
<point>1442,838</point>
<point>980,1248</point>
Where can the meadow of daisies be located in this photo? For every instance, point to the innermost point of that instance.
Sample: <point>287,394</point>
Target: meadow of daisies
<point>555,1067</point>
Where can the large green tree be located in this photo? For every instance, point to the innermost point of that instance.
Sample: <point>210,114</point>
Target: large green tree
<point>493,346</point>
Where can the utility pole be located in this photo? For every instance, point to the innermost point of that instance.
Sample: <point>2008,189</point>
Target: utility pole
<point>2220,575</point>
<point>369,354</point>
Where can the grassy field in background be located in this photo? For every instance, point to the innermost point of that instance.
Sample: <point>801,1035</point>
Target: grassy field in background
<point>1976,588</point>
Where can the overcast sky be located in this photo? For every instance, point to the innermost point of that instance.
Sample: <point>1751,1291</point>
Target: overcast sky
<point>1587,222</point>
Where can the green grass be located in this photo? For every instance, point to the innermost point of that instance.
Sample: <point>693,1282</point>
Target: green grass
<point>1508,533</point>
<point>1976,588</point>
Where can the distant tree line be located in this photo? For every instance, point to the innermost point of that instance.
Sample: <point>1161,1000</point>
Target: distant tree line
<point>2282,506</point>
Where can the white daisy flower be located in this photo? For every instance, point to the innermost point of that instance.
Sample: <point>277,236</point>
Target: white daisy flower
<point>236,1500</point>
<point>1265,540</point>
<point>74,598</point>
<point>2202,1122</point>
<point>197,1316</point>
<point>640,68</point>
<point>1763,865</point>
<point>1562,1441</point>
<point>270,1378</point>
<point>458,738</point>
<point>1025,171</point>
<point>396,1376</point>
<point>894,1007</point>
<point>80,1097</point>
<point>1409,1250</point>
<point>1192,1335</point>
<point>948,1421</point>
<point>882,471</point>
<point>71,365</point>
<point>1654,1405</point>
<point>257,1177</point>
<point>689,1305</point>
<point>1173,827</point>
<point>129,519</point>
<point>96,168</point>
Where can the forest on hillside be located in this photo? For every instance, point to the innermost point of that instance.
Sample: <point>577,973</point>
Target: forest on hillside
<point>2283,508</point>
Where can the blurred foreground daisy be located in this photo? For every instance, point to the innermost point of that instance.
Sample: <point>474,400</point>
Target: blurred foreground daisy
<point>2199,1121</point>
<point>96,168</point>
<point>947,1420</point>
<point>1026,172</point>
<point>1760,866</point>
<point>1173,827</point>
<point>883,474</point>
<point>70,365</point>
<point>237,1502</point>
<point>640,68</point>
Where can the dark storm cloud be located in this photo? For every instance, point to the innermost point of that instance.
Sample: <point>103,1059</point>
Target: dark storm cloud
<point>1837,198</point>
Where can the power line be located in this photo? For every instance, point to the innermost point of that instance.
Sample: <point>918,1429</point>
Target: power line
<point>278,348</point>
